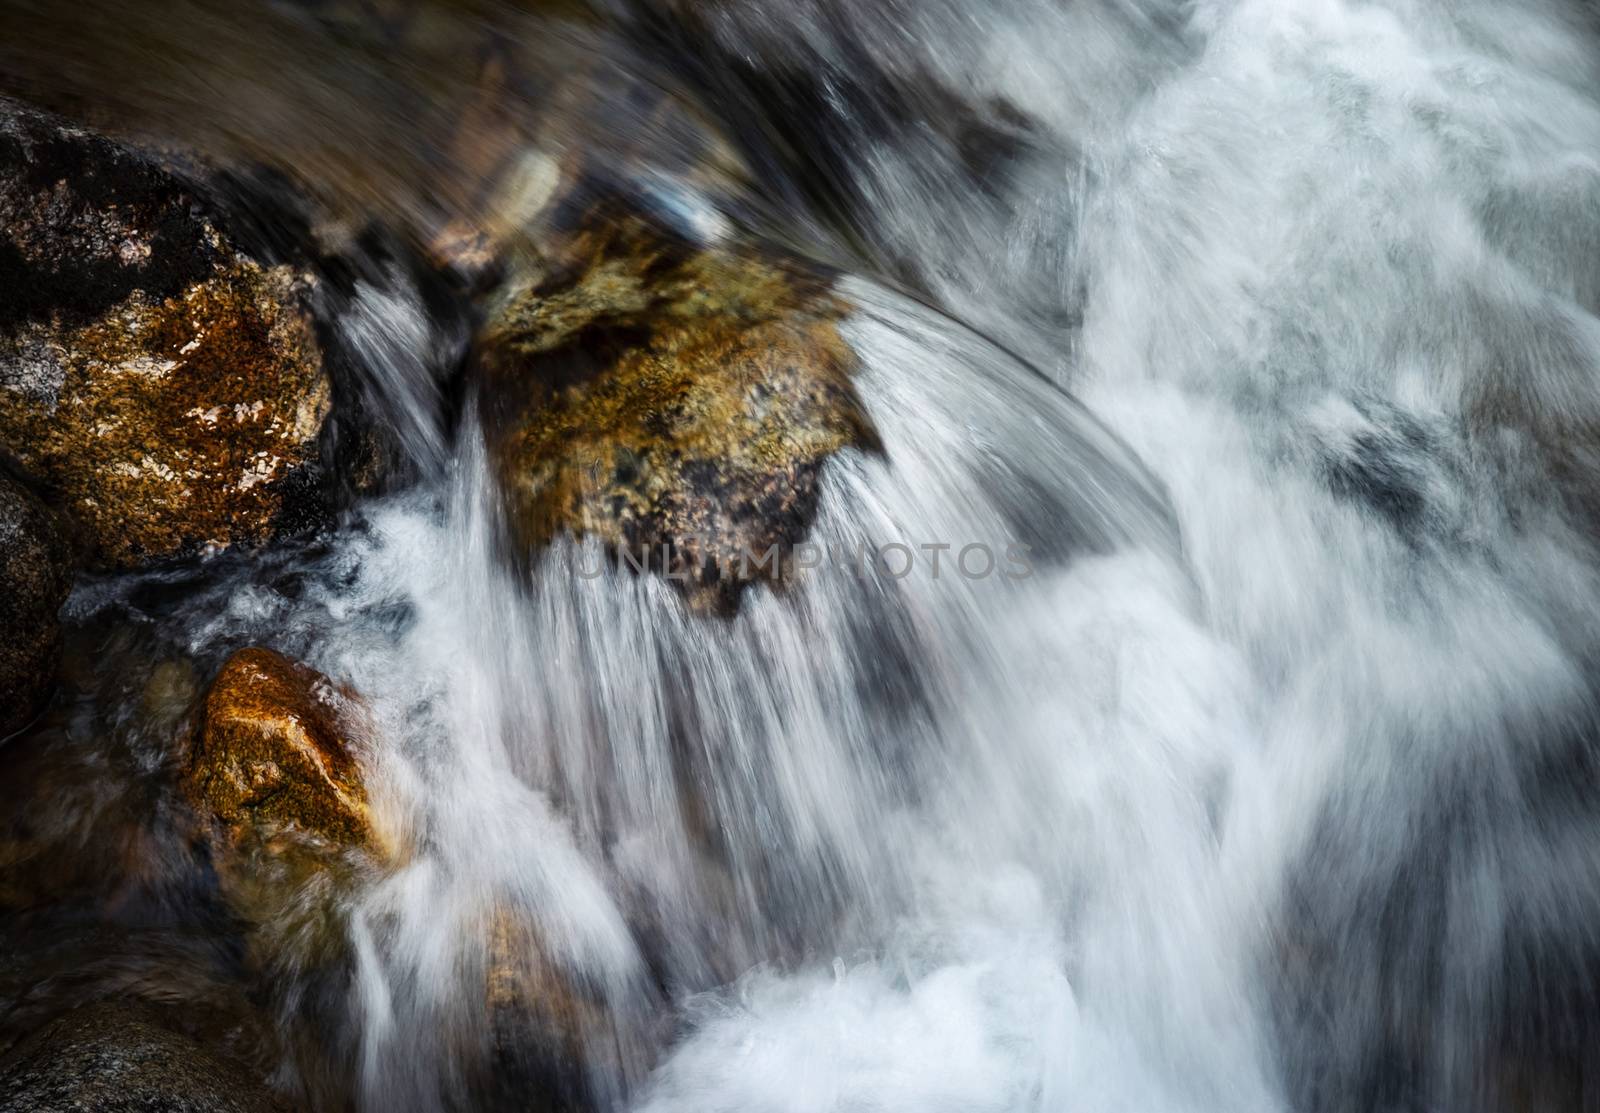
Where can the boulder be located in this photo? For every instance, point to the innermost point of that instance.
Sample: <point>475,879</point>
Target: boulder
<point>673,400</point>
<point>112,1058</point>
<point>168,388</point>
<point>35,569</point>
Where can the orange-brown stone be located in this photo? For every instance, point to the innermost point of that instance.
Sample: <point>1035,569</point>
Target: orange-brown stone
<point>273,752</point>
<point>546,1027</point>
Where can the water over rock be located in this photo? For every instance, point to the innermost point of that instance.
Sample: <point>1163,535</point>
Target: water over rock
<point>673,400</point>
<point>35,567</point>
<point>544,1028</point>
<point>117,1058</point>
<point>168,388</point>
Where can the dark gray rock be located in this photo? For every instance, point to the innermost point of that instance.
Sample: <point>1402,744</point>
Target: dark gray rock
<point>116,1058</point>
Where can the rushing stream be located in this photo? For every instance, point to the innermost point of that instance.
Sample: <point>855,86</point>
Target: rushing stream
<point>1219,734</point>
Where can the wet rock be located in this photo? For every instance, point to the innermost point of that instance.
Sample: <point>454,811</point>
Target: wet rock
<point>35,569</point>
<point>169,692</point>
<point>674,401</point>
<point>112,1058</point>
<point>274,775</point>
<point>168,388</point>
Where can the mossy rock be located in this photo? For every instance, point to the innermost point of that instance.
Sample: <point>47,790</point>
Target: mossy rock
<point>168,389</point>
<point>675,401</point>
<point>36,571</point>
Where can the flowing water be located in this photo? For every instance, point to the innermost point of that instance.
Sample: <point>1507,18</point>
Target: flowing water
<point>1256,343</point>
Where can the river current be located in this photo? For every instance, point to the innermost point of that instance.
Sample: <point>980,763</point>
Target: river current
<point>1263,335</point>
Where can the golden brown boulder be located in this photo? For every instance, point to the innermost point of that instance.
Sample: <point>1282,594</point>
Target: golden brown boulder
<point>168,388</point>
<point>273,754</point>
<point>677,403</point>
<point>274,778</point>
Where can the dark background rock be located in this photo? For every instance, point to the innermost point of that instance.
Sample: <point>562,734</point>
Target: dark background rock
<point>87,223</point>
<point>35,576</point>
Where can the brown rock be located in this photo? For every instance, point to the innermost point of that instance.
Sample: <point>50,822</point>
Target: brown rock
<point>167,387</point>
<point>274,778</point>
<point>676,402</point>
<point>35,575</point>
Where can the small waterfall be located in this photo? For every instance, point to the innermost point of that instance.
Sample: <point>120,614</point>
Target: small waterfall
<point>676,801</point>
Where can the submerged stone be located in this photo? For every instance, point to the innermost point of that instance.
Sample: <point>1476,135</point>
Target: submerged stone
<point>169,389</point>
<point>676,402</point>
<point>36,571</point>
<point>548,1033</point>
